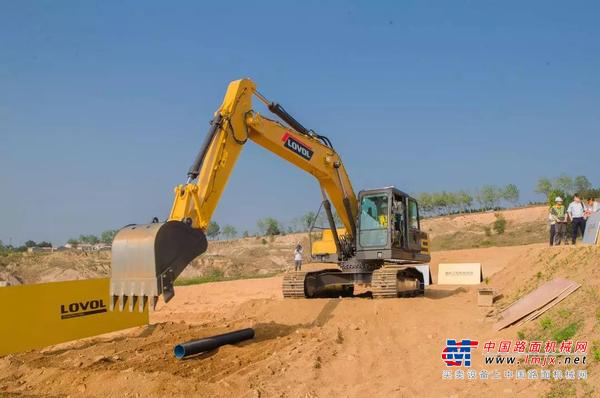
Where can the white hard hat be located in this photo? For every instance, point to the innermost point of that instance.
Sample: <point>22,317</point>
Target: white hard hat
<point>558,199</point>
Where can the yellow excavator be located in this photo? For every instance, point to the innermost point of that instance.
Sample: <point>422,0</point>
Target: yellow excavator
<point>378,245</point>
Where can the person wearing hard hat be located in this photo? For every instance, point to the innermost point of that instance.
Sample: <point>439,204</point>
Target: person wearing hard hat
<point>558,222</point>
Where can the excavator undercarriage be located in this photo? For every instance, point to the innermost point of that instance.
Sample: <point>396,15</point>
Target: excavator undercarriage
<point>389,281</point>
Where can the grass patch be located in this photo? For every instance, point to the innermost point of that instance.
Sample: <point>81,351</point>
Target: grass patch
<point>198,280</point>
<point>561,390</point>
<point>566,333</point>
<point>564,313</point>
<point>595,351</point>
<point>500,224</point>
<point>546,323</point>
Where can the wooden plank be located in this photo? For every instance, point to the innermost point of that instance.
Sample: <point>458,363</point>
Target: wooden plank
<point>551,304</point>
<point>533,301</point>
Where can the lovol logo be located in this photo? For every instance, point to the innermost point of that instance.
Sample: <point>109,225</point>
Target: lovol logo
<point>296,146</point>
<point>78,309</point>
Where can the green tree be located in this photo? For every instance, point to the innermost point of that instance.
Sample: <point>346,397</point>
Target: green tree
<point>213,230</point>
<point>30,243</point>
<point>439,202</point>
<point>229,231</point>
<point>511,194</point>
<point>107,236</point>
<point>582,184</point>
<point>44,244</point>
<point>425,202</point>
<point>543,186</point>
<point>245,234</point>
<point>465,200</point>
<point>564,183</point>
<point>308,219</point>
<point>269,226</point>
<point>451,201</point>
<point>90,239</point>
<point>73,242</point>
<point>489,196</point>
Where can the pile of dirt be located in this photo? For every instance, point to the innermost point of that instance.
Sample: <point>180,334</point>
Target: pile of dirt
<point>25,268</point>
<point>246,257</point>
<point>322,347</point>
<point>462,231</point>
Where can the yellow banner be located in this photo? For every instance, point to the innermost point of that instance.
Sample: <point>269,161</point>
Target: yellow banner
<point>34,316</point>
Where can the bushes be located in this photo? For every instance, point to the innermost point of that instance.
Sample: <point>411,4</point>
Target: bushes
<point>500,224</point>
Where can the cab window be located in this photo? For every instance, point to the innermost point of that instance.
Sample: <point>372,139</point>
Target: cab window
<point>374,220</point>
<point>413,214</point>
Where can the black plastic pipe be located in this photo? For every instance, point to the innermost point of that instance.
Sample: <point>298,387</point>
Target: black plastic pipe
<point>194,347</point>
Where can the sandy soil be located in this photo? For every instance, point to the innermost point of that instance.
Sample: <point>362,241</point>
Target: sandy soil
<point>304,348</point>
<point>463,222</point>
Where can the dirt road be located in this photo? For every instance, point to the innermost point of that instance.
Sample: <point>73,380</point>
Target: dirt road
<point>303,348</point>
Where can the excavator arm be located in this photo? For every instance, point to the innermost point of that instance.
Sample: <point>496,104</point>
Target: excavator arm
<point>148,258</point>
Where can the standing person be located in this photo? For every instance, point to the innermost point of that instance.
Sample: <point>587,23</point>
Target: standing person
<point>576,212</point>
<point>588,207</point>
<point>298,258</point>
<point>558,222</point>
<point>596,205</point>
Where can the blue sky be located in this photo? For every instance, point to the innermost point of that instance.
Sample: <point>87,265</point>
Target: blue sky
<point>103,105</point>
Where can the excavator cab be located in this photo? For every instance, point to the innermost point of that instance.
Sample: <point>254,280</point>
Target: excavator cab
<point>388,227</point>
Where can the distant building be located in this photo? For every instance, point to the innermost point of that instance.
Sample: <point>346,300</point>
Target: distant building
<point>85,247</point>
<point>36,249</point>
<point>101,247</point>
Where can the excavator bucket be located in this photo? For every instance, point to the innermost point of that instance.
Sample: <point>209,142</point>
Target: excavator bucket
<point>146,259</point>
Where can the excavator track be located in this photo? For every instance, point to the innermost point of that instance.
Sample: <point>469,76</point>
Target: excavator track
<point>391,281</point>
<point>293,284</point>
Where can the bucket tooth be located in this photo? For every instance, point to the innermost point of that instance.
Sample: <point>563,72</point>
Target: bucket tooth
<point>122,303</point>
<point>143,303</point>
<point>132,301</point>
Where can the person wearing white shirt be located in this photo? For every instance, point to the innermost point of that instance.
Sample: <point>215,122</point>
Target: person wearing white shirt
<point>576,212</point>
<point>298,257</point>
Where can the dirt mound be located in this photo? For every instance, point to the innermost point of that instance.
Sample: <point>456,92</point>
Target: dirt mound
<point>322,347</point>
<point>19,268</point>
<point>522,226</point>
